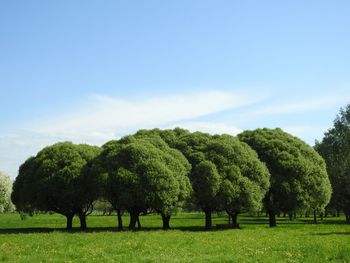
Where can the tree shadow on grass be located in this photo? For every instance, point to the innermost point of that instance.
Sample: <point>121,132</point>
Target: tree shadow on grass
<point>327,221</point>
<point>104,229</point>
<point>244,221</point>
<point>5,231</point>
<point>332,233</point>
<point>25,230</point>
<point>51,230</point>
<point>194,217</point>
<point>247,220</point>
<point>265,221</point>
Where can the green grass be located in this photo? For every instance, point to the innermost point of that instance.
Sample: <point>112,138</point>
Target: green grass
<point>42,239</point>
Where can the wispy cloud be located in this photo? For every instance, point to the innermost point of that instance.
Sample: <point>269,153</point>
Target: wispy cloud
<point>306,105</point>
<point>102,118</point>
<point>209,127</point>
<point>309,133</point>
<point>106,117</point>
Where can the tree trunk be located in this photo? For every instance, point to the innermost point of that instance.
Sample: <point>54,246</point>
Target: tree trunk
<point>272,218</point>
<point>290,215</point>
<point>315,216</point>
<point>347,216</point>
<point>166,220</point>
<point>208,223</point>
<point>69,225</point>
<point>234,220</point>
<point>82,218</point>
<point>138,222</point>
<point>120,220</point>
<point>133,220</point>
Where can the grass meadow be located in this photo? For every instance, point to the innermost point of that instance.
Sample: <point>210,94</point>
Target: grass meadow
<point>42,238</point>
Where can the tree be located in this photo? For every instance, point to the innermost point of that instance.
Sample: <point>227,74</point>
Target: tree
<point>89,187</point>
<point>226,173</point>
<point>335,149</point>
<point>204,177</point>
<point>298,173</point>
<point>244,178</point>
<point>206,184</point>
<point>228,176</point>
<point>143,173</point>
<point>5,194</point>
<point>57,179</point>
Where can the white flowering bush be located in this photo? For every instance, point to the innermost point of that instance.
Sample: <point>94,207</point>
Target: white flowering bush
<point>5,194</point>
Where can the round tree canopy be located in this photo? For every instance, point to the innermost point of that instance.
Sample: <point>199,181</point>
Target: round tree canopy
<point>56,179</point>
<point>298,172</point>
<point>143,172</point>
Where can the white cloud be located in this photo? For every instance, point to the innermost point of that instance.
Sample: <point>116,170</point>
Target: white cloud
<point>106,117</point>
<point>303,129</point>
<point>15,148</point>
<point>308,133</point>
<point>311,104</point>
<point>103,118</point>
<point>209,127</point>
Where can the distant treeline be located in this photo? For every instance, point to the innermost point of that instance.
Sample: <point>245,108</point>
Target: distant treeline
<point>163,171</point>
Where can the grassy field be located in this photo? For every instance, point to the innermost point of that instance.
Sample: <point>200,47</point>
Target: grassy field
<point>42,239</point>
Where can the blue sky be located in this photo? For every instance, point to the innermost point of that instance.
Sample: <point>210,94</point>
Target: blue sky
<point>90,71</point>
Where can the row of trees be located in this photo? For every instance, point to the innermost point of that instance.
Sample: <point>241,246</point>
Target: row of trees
<point>162,170</point>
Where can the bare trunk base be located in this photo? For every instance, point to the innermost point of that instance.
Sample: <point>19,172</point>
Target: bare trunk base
<point>134,218</point>
<point>315,216</point>
<point>138,222</point>
<point>120,220</point>
<point>347,217</point>
<point>272,219</point>
<point>82,219</point>
<point>208,221</point>
<point>166,220</point>
<point>234,223</point>
<point>69,225</point>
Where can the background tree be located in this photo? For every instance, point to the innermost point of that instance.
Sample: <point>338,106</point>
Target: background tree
<point>335,149</point>
<point>298,172</point>
<point>144,173</point>
<point>57,179</point>
<point>103,207</point>
<point>5,194</point>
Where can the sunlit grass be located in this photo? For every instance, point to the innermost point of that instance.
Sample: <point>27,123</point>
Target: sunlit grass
<point>42,239</point>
